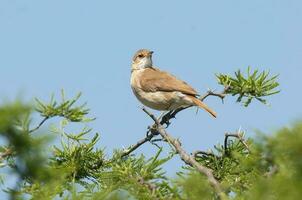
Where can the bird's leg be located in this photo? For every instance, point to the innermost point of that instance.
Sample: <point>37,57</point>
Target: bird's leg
<point>162,114</point>
<point>166,118</point>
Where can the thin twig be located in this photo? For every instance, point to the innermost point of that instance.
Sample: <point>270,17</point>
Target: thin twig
<point>39,125</point>
<point>221,95</point>
<point>197,154</point>
<point>172,114</point>
<point>239,137</point>
<point>138,144</point>
<point>158,140</point>
<point>8,152</point>
<point>188,159</point>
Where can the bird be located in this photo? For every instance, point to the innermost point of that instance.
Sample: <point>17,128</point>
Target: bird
<point>159,89</point>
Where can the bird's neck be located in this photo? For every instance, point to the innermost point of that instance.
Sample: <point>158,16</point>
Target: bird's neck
<point>142,64</point>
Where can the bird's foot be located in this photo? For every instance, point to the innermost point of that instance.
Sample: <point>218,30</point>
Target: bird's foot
<point>152,130</point>
<point>166,118</point>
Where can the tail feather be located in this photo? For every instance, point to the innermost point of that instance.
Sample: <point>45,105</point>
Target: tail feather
<point>200,104</point>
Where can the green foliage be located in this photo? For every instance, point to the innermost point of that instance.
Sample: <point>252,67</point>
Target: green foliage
<point>254,86</point>
<point>283,153</point>
<point>64,109</point>
<point>22,152</point>
<point>194,186</point>
<point>80,158</point>
<point>271,169</point>
<point>142,178</point>
<point>227,164</point>
<point>75,169</point>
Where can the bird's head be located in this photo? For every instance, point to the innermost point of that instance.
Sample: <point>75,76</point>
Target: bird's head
<point>142,59</point>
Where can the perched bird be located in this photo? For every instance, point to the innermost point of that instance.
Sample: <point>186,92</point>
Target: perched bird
<point>161,90</point>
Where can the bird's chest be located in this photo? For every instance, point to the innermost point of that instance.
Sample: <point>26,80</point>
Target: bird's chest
<point>136,87</point>
<point>134,82</point>
<point>158,100</point>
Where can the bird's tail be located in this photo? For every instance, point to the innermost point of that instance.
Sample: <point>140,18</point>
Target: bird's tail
<point>200,104</point>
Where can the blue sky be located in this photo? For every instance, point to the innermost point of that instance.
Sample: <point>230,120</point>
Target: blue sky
<point>87,46</point>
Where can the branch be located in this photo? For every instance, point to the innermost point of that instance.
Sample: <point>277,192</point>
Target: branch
<point>198,154</point>
<point>39,125</point>
<point>239,137</point>
<point>8,152</point>
<point>138,144</point>
<point>148,138</point>
<point>188,159</point>
<point>172,114</point>
<point>221,95</point>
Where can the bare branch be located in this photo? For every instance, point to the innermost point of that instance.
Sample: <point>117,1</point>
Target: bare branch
<point>188,159</point>
<point>152,117</point>
<point>221,95</point>
<point>138,144</point>
<point>198,154</point>
<point>239,137</point>
<point>39,125</point>
<point>172,114</point>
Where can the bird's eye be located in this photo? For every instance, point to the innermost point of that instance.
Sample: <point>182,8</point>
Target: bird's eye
<point>140,56</point>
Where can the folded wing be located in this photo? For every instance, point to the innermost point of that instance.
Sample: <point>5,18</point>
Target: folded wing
<point>153,80</point>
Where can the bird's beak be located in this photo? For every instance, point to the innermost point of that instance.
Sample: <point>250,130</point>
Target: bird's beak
<point>150,54</point>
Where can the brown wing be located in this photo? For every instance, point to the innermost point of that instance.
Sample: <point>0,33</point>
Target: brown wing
<point>153,80</point>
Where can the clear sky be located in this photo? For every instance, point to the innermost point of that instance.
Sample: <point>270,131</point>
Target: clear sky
<point>87,46</point>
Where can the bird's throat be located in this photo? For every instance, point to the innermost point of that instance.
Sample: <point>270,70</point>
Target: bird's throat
<point>142,64</point>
